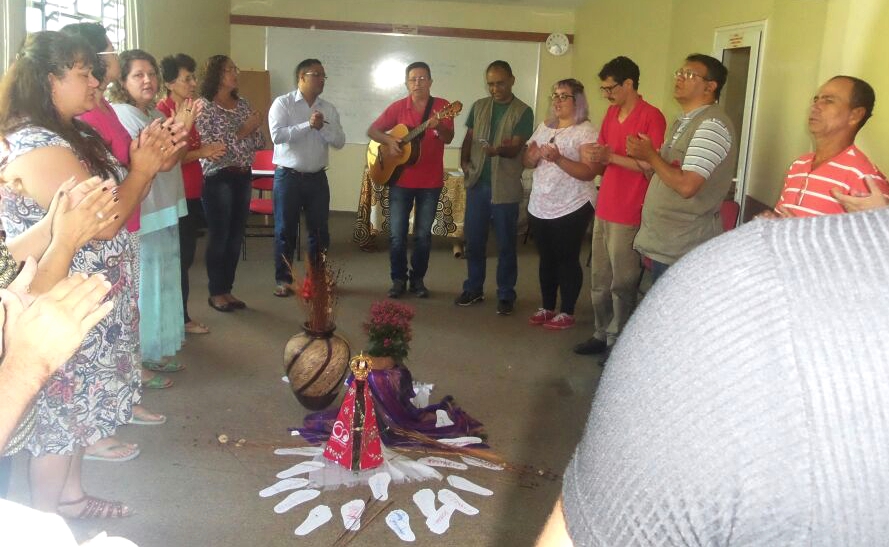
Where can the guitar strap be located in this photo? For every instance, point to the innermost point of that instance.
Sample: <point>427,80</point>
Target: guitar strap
<point>425,117</point>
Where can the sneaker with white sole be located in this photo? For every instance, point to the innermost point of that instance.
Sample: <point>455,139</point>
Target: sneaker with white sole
<point>561,321</point>
<point>541,316</point>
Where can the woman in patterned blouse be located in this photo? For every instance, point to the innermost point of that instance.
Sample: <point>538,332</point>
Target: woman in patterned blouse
<point>49,84</point>
<point>226,118</point>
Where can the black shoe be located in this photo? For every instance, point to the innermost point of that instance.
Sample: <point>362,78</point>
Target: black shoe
<point>224,307</point>
<point>593,346</point>
<point>467,298</point>
<point>505,307</point>
<point>397,288</point>
<point>419,289</point>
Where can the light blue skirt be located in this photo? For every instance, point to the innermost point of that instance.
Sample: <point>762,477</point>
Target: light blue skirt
<point>161,324</point>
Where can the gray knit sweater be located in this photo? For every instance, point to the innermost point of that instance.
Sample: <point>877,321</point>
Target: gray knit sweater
<point>747,401</point>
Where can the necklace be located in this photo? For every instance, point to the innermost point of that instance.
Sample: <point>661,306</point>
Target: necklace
<point>552,140</point>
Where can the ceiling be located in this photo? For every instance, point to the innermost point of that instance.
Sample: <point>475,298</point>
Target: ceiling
<point>554,4</point>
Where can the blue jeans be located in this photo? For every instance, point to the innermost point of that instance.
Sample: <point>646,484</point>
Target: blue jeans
<point>295,192</point>
<point>480,212</point>
<point>657,270</point>
<point>401,200</point>
<point>226,199</point>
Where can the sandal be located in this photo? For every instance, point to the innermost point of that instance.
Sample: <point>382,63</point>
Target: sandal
<point>107,454</point>
<point>96,508</point>
<point>157,382</point>
<point>166,366</point>
<point>148,418</point>
<point>235,303</point>
<point>283,291</point>
<point>224,307</point>
<point>193,327</point>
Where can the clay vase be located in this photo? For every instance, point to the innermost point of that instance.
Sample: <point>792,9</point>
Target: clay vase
<point>315,363</point>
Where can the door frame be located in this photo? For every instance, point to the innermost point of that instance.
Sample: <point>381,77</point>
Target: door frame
<point>753,35</point>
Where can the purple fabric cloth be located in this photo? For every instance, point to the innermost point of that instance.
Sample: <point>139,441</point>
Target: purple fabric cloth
<point>392,391</point>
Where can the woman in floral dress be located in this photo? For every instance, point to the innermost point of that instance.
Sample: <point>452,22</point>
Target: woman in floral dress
<point>49,84</point>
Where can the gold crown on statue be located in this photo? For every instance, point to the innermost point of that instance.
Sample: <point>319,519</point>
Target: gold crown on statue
<point>361,366</point>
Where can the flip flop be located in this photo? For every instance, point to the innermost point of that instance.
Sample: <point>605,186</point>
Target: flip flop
<point>143,421</point>
<point>282,291</point>
<point>168,366</point>
<point>158,382</point>
<point>196,328</point>
<point>103,455</point>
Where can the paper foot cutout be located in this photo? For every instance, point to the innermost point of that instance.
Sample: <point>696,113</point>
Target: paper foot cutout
<point>379,485</point>
<point>317,516</point>
<point>442,419</point>
<point>435,461</point>
<point>425,500</point>
<point>440,521</point>
<point>351,513</point>
<point>299,451</point>
<point>468,486</point>
<point>481,463</point>
<point>400,523</point>
<point>449,497</point>
<point>286,484</point>
<point>296,498</point>
<point>461,441</point>
<point>300,468</point>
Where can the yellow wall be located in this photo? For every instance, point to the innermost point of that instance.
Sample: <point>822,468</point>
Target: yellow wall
<point>248,50</point>
<point>855,44</point>
<point>638,30</point>
<point>199,28</point>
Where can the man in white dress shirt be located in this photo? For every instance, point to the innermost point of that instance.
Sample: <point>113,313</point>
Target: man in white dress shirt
<point>303,126</point>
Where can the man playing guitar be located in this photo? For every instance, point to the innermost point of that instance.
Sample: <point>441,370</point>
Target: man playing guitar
<point>420,183</point>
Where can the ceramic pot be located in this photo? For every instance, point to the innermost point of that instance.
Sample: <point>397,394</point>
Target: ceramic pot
<point>316,363</point>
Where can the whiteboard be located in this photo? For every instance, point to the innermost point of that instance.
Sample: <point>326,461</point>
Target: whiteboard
<point>366,71</point>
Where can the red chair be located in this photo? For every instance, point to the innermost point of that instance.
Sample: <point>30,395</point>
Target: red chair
<point>262,205</point>
<point>263,172</point>
<point>729,213</point>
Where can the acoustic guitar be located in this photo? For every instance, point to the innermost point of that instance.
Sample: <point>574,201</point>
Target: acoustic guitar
<point>384,168</point>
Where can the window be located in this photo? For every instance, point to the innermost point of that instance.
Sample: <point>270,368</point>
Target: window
<point>55,14</point>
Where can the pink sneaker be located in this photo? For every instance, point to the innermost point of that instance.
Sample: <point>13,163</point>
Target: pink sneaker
<point>560,322</point>
<point>541,317</point>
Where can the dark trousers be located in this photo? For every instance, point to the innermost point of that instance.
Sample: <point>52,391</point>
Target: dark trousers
<point>296,192</point>
<point>480,214</point>
<point>558,243</point>
<point>226,200</point>
<point>657,270</point>
<point>401,200</point>
<point>188,238</point>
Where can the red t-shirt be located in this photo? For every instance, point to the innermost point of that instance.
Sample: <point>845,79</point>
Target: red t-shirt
<point>191,171</point>
<point>622,191</point>
<point>428,172</point>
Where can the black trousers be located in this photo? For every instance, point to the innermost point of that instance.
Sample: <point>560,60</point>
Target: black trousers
<point>558,243</point>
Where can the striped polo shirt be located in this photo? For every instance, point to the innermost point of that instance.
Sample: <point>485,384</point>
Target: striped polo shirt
<point>709,145</point>
<point>806,190</point>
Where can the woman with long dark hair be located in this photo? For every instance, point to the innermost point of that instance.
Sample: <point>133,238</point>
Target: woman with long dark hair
<point>227,118</point>
<point>47,87</point>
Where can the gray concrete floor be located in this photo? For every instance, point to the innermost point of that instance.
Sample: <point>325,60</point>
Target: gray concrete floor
<point>524,383</point>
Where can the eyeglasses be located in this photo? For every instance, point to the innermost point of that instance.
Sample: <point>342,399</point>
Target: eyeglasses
<point>418,80</point>
<point>561,96</point>
<point>234,69</point>
<point>317,75</point>
<point>687,75</point>
<point>608,89</point>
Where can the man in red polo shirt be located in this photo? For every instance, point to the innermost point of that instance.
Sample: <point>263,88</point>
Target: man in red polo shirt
<point>419,183</point>
<point>837,167</point>
<point>616,266</point>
